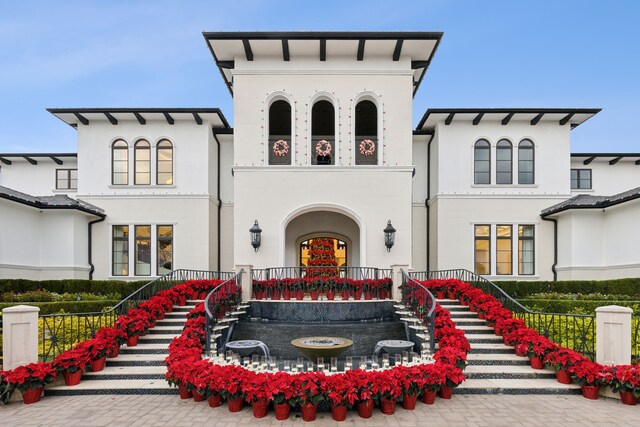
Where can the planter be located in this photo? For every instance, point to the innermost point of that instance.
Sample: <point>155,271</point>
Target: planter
<point>215,400</point>
<point>331,295</point>
<point>197,397</point>
<point>519,352</point>
<point>357,295</point>
<point>184,392</point>
<point>388,406</point>
<point>286,295</point>
<point>446,392</point>
<point>260,408</point>
<point>563,377</point>
<point>72,378</point>
<point>628,398</point>
<point>132,341</point>
<point>114,352</point>
<point>315,295</point>
<point>169,310</point>
<point>497,331</point>
<point>536,362</point>
<point>32,395</point>
<point>365,408</point>
<point>160,316</point>
<point>275,294</point>
<point>409,402</point>
<point>282,411</point>
<point>384,294</point>
<point>481,315</point>
<point>235,405</point>
<point>309,411</point>
<point>182,301</point>
<point>368,295</point>
<point>591,391</point>
<point>451,295</point>
<point>299,295</point>
<point>344,295</point>
<point>98,365</point>
<point>464,302</point>
<point>338,412</point>
<point>429,397</point>
<point>257,295</point>
<point>441,294</point>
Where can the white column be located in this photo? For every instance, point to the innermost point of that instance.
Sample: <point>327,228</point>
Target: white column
<point>247,280</point>
<point>396,276</point>
<point>613,335</point>
<point>20,335</point>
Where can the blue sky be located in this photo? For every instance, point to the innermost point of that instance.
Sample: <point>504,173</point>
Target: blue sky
<point>152,54</point>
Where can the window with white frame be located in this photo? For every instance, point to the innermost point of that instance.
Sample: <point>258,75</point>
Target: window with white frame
<point>510,253</point>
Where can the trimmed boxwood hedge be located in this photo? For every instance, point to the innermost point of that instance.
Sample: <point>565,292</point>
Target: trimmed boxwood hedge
<point>66,306</point>
<point>523,288</point>
<point>573,306</point>
<point>102,287</point>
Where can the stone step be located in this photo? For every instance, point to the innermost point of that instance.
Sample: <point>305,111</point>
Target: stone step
<point>507,372</point>
<point>496,359</point>
<point>477,330</point>
<point>116,387</point>
<point>161,330</point>
<point>171,322</point>
<point>470,322</point>
<point>483,339</point>
<point>157,336</point>
<point>176,315</point>
<point>516,386</point>
<point>181,309</point>
<point>455,316</point>
<point>458,309</point>
<point>142,348</point>
<point>448,302</point>
<point>127,373</point>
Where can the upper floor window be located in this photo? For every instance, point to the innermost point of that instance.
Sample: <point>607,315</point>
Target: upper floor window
<point>120,163</point>
<point>323,133</point>
<point>164,160</point>
<point>482,162</point>
<point>581,179</point>
<point>526,162</point>
<point>280,133</point>
<point>66,179</point>
<point>142,163</point>
<point>504,164</point>
<point>366,133</point>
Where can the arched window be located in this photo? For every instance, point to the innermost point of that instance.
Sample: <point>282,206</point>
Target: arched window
<point>120,163</point>
<point>323,133</point>
<point>526,162</point>
<point>482,162</point>
<point>280,133</point>
<point>164,159</point>
<point>142,163</point>
<point>504,163</point>
<point>366,133</point>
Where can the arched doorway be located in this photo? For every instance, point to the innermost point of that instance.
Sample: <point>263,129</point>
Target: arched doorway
<point>337,250</point>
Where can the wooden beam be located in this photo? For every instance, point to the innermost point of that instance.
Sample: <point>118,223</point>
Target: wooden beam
<point>419,64</point>
<point>566,119</point>
<point>169,118</point>
<point>360,50</point>
<point>637,162</point>
<point>398,50</point>
<point>57,160</point>
<point>247,49</point>
<point>614,161</point>
<point>449,119</point>
<point>197,118</point>
<point>536,119</point>
<point>476,121</point>
<point>507,119</point>
<point>323,49</point>
<point>226,64</point>
<point>8,162</point>
<point>141,119</point>
<point>285,50</point>
<point>111,118</point>
<point>82,118</point>
<point>589,160</point>
<point>30,160</point>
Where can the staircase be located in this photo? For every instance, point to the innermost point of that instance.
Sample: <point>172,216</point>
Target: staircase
<point>494,368</point>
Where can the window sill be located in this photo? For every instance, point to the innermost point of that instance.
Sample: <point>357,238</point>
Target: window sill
<point>504,185</point>
<point>132,277</point>
<point>64,191</point>
<point>582,190</point>
<point>137,187</point>
<point>511,277</point>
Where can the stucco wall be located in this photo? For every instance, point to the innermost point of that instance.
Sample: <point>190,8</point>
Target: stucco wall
<point>36,180</point>
<point>607,179</point>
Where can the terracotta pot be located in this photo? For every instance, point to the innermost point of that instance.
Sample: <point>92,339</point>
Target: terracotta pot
<point>132,341</point>
<point>536,362</point>
<point>309,411</point>
<point>591,391</point>
<point>114,352</point>
<point>446,392</point>
<point>331,295</point>
<point>365,408</point>
<point>282,411</point>
<point>260,408</point>
<point>409,402</point>
<point>429,397</point>
<point>235,405</point>
<point>72,378</point>
<point>338,412</point>
<point>197,397</point>
<point>563,377</point>
<point>388,406</point>
<point>215,400</point>
<point>184,393</point>
<point>315,295</point>
<point>32,395</point>
<point>98,365</point>
<point>628,398</point>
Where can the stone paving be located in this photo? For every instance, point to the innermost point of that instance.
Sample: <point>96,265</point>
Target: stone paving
<point>461,410</point>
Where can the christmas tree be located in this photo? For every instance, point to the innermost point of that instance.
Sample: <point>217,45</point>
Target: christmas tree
<point>322,254</point>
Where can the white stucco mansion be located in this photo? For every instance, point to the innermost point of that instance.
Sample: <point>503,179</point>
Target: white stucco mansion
<point>322,145</point>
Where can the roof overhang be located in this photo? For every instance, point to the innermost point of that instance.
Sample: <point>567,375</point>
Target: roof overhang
<point>533,116</point>
<point>34,158</point>
<point>612,158</point>
<point>586,201</point>
<point>225,47</point>
<point>57,202</point>
<point>84,116</point>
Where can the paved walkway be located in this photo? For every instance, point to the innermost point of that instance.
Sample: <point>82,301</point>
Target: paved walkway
<point>461,410</point>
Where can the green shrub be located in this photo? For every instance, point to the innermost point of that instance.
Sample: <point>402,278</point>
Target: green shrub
<point>523,288</point>
<point>72,286</point>
<point>68,306</point>
<point>573,306</point>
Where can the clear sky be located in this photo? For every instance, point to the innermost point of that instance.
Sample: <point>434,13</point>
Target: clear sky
<point>152,54</point>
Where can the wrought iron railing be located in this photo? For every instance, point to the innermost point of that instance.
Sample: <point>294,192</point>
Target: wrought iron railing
<point>635,339</point>
<point>220,301</point>
<point>423,303</point>
<point>62,331</point>
<point>574,331</point>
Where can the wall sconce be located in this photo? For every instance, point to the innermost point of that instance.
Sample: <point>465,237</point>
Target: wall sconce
<point>255,235</point>
<point>389,236</point>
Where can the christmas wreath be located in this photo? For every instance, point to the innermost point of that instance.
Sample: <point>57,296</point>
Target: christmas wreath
<point>367,147</point>
<point>280,148</point>
<point>323,148</point>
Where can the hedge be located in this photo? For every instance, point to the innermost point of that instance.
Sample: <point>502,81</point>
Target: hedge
<point>103,287</point>
<point>66,306</point>
<point>523,288</point>
<point>573,306</point>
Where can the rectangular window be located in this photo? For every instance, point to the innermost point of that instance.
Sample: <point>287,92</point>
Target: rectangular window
<point>143,250</point>
<point>581,179</point>
<point>526,249</point>
<point>165,249</point>
<point>482,234</point>
<point>66,179</point>
<point>504,250</point>
<point>120,247</point>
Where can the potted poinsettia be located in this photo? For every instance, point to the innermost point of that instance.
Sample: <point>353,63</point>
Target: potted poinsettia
<point>132,327</point>
<point>537,348</point>
<point>6,388</point>
<point>257,392</point>
<point>71,364</point>
<point>387,389</point>
<point>282,386</point>
<point>231,378</point>
<point>363,387</point>
<point>411,380</point>
<point>341,394</point>
<point>453,377</point>
<point>561,360</point>
<point>115,337</point>
<point>625,379</point>
<point>97,349</point>
<point>591,376</point>
<point>432,380</point>
<point>309,386</point>
<point>30,380</point>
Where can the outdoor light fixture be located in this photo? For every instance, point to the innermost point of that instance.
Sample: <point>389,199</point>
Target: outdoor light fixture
<point>255,235</point>
<point>389,236</point>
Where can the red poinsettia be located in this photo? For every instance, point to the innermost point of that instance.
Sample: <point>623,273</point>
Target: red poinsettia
<point>310,386</point>
<point>590,373</point>
<point>71,361</point>
<point>340,390</point>
<point>625,378</point>
<point>31,376</point>
<point>563,358</point>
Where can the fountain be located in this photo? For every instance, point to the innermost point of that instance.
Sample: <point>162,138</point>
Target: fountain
<point>325,347</point>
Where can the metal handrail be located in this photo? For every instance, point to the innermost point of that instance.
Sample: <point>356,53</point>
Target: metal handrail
<point>211,301</point>
<point>430,306</point>
<point>555,326</point>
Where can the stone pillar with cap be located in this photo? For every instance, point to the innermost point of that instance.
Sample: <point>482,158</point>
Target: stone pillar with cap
<point>247,280</point>
<point>613,335</point>
<point>396,276</point>
<point>19,335</point>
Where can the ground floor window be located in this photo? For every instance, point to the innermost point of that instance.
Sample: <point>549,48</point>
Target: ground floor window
<point>526,249</point>
<point>165,249</point>
<point>143,240</point>
<point>508,252</point>
<point>504,250</point>
<point>120,247</point>
<point>483,249</point>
